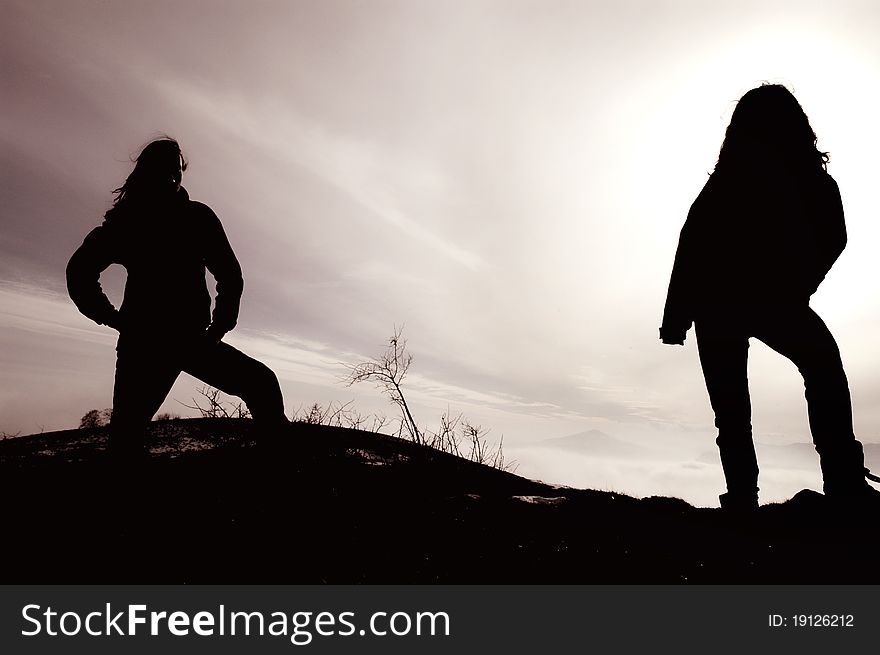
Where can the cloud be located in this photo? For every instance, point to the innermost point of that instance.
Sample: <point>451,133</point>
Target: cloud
<point>33,310</point>
<point>380,179</point>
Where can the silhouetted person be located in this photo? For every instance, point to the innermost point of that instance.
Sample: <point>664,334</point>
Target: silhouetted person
<point>758,241</point>
<point>165,241</point>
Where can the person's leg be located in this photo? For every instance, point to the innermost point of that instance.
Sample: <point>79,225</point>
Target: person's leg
<point>724,349</point>
<point>145,373</point>
<point>233,372</point>
<point>800,335</point>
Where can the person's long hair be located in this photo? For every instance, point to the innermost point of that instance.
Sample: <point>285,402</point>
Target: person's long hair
<point>768,120</point>
<point>156,176</point>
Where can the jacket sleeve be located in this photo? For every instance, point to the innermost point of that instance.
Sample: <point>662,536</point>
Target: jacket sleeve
<point>84,269</point>
<point>830,233</point>
<point>678,313</point>
<point>220,260</point>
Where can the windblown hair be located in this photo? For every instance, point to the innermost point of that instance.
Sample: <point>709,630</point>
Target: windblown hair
<point>771,118</point>
<point>157,169</point>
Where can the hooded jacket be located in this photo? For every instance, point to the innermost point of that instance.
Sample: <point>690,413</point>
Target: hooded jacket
<point>764,237</point>
<point>165,246</point>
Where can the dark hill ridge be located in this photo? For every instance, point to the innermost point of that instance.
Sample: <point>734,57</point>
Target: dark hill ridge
<point>343,506</point>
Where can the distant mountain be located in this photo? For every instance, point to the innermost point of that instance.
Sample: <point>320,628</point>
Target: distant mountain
<point>213,504</point>
<point>598,444</point>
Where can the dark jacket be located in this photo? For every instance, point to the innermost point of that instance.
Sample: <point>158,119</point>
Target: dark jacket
<point>761,238</point>
<point>165,248</point>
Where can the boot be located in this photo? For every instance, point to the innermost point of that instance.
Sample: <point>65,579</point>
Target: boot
<point>843,472</point>
<point>740,465</point>
<point>855,493</point>
<point>739,502</point>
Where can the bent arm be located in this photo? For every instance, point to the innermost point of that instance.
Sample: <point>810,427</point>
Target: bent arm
<point>220,260</point>
<point>83,274</point>
<point>677,314</point>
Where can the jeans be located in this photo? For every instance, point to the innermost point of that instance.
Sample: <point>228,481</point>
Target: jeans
<point>147,368</point>
<point>796,332</point>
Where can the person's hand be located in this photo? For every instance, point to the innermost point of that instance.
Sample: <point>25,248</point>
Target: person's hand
<point>672,337</point>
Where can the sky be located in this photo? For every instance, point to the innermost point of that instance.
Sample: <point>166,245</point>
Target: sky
<point>504,179</point>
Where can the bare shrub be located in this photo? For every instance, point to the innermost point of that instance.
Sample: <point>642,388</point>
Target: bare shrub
<point>446,438</point>
<point>95,418</point>
<point>339,415</point>
<point>213,405</point>
<point>387,372</point>
<point>481,450</point>
<point>455,435</point>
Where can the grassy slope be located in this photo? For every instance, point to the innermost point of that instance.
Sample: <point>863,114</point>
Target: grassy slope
<point>339,506</point>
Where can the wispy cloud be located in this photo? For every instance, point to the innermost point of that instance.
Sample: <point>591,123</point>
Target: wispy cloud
<point>380,179</point>
<point>29,309</point>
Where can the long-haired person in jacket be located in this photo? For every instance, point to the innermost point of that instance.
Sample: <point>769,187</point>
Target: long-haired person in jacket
<point>758,241</point>
<point>166,242</point>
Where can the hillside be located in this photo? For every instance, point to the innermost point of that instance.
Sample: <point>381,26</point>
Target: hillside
<point>331,505</point>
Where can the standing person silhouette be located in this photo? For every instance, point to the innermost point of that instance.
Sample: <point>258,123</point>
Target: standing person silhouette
<point>758,241</point>
<point>166,241</point>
